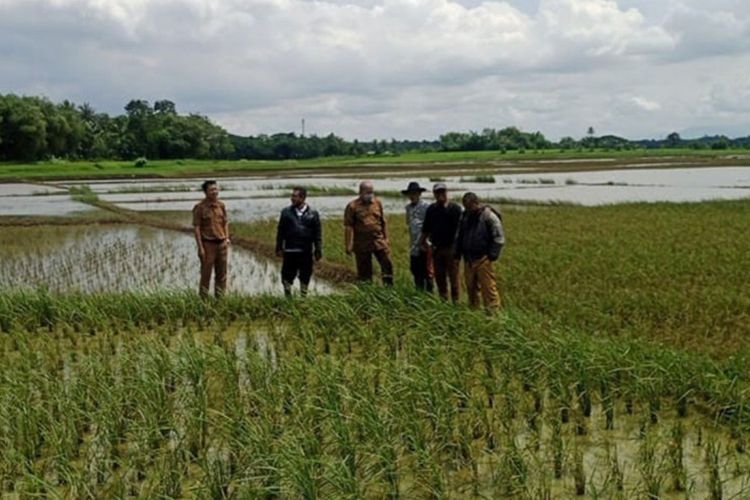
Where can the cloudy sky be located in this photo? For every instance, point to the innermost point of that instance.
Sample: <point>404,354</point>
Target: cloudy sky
<point>395,68</point>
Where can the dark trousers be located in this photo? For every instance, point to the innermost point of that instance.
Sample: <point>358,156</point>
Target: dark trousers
<point>214,260</point>
<point>446,269</point>
<point>420,269</point>
<point>297,265</point>
<point>364,265</point>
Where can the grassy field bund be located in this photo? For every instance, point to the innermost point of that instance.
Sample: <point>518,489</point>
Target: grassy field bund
<point>542,160</point>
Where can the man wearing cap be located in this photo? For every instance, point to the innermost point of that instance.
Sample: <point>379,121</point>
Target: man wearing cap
<point>211,227</point>
<point>480,242</point>
<point>416,210</point>
<point>365,234</point>
<point>440,228</point>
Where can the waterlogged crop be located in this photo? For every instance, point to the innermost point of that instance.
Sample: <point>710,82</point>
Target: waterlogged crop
<point>377,393</point>
<point>669,272</point>
<point>118,258</point>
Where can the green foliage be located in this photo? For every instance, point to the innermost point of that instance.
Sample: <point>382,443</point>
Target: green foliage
<point>369,394</point>
<point>140,162</point>
<point>84,194</point>
<point>660,271</point>
<point>509,138</point>
<point>487,179</point>
<point>33,129</point>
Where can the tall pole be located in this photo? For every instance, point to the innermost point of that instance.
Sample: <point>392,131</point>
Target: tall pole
<point>303,127</point>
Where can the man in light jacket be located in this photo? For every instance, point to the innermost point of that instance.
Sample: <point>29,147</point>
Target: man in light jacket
<point>420,259</point>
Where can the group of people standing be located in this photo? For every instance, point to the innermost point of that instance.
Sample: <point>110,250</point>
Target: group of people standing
<point>441,234</point>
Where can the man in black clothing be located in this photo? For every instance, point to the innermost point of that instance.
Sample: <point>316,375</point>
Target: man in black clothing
<point>298,241</point>
<point>440,228</point>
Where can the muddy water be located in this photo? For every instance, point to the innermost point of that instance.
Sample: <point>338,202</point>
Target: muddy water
<point>250,198</point>
<point>260,197</point>
<point>101,258</point>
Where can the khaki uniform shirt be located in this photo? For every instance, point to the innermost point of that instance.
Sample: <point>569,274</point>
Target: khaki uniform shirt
<point>211,218</point>
<point>368,222</point>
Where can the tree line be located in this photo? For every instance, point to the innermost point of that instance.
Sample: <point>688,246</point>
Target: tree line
<point>34,128</point>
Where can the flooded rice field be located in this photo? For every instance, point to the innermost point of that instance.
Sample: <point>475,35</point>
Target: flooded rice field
<point>120,258</point>
<point>16,200</point>
<point>250,198</point>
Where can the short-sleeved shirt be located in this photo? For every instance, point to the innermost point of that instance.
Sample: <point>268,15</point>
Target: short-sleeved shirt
<point>368,222</point>
<point>211,218</point>
<point>441,223</point>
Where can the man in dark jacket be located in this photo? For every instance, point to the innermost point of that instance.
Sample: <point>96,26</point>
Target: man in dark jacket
<point>298,241</point>
<point>480,241</point>
<point>440,227</point>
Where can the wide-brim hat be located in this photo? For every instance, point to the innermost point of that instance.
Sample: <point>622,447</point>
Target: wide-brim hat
<point>413,187</point>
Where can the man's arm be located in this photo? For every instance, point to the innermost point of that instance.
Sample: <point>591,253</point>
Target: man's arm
<point>425,230</point>
<point>318,243</point>
<point>280,236</point>
<point>457,247</point>
<point>349,239</point>
<point>197,233</point>
<point>226,223</point>
<point>199,242</point>
<point>382,218</point>
<point>497,235</point>
<point>349,230</point>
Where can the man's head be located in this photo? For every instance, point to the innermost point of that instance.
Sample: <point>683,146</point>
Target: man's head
<point>440,191</point>
<point>299,195</point>
<point>413,191</point>
<point>210,189</point>
<point>471,202</point>
<point>366,191</point>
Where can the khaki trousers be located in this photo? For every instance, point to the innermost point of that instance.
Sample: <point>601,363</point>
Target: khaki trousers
<point>214,260</point>
<point>480,278</point>
<point>364,265</point>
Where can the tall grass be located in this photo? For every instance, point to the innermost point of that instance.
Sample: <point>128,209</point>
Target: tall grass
<point>671,272</point>
<point>377,393</point>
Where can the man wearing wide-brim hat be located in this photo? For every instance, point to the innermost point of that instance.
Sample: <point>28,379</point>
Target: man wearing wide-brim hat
<point>420,259</point>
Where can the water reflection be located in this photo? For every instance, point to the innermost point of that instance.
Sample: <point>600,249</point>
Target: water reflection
<point>250,198</point>
<point>99,259</point>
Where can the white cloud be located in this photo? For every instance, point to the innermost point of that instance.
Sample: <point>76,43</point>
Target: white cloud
<point>645,104</point>
<point>386,67</point>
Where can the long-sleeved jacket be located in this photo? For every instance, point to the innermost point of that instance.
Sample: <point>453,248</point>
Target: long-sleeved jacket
<point>415,214</point>
<point>480,234</point>
<point>299,233</point>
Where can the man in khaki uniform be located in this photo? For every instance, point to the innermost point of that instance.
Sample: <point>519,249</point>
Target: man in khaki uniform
<point>212,237</point>
<point>366,234</point>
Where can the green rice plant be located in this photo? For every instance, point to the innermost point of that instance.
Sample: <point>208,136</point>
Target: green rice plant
<point>713,464</point>
<point>487,179</point>
<point>83,194</point>
<point>579,474</point>
<point>557,444</point>
<point>616,472</point>
<point>650,466</point>
<point>676,458</point>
